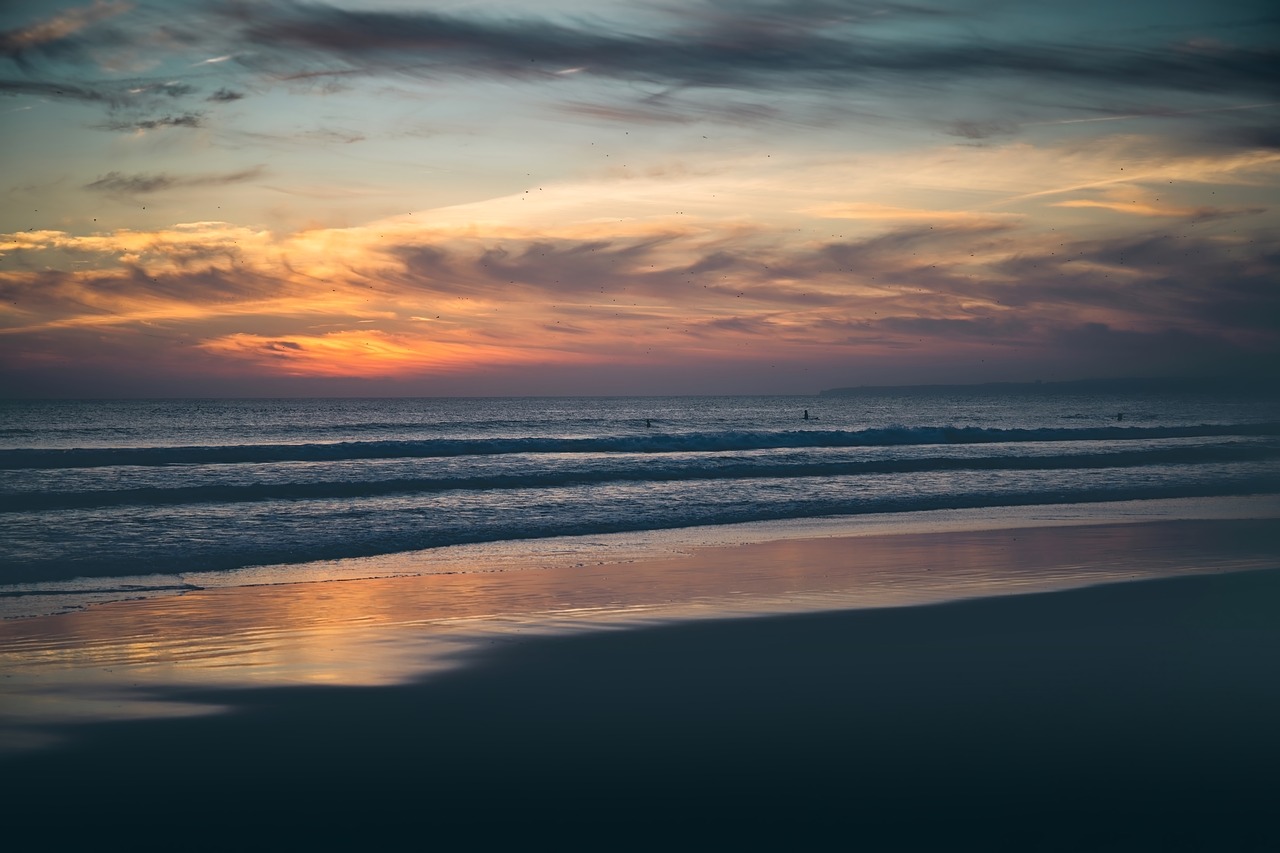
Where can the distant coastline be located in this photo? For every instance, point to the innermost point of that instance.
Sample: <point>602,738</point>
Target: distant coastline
<point>1127,385</point>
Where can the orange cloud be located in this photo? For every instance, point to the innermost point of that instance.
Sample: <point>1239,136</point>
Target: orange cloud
<point>1135,207</point>
<point>363,353</point>
<point>206,243</point>
<point>884,212</point>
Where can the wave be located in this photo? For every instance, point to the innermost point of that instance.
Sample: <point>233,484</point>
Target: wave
<point>20,591</point>
<point>261,552</point>
<point>693,442</point>
<point>674,470</point>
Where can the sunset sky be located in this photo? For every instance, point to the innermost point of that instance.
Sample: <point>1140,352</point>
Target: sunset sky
<point>597,197</point>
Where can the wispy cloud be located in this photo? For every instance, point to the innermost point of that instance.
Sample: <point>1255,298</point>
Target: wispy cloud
<point>181,120</point>
<point>727,181</point>
<point>954,288</point>
<point>225,96</point>
<point>824,50</point>
<point>104,94</point>
<point>1158,112</point>
<point>112,92</point>
<point>1144,207</point>
<point>891,213</point>
<point>20,42</point>
<point>798,48</point>
<point>976,130</point>
<point>118,183</point>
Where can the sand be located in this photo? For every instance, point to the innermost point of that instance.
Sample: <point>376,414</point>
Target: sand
<point>1129,715</point>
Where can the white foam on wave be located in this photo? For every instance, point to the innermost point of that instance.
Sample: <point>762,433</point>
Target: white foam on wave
<point>47,598</point>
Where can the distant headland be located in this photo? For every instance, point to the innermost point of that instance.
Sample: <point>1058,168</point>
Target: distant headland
<point>1129,385</point>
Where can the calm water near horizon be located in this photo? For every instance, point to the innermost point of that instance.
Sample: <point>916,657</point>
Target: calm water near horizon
<point>109,492</point>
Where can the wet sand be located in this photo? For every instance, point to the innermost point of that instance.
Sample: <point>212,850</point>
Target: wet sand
<point>1125,716</point>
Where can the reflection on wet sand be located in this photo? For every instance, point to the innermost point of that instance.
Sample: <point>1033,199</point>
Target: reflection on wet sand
<point>103,663</point>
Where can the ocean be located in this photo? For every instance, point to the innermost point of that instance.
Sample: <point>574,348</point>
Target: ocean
<point>103,500</point>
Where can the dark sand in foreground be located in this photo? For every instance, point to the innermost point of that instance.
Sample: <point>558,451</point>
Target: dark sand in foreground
<point>1129,716</point>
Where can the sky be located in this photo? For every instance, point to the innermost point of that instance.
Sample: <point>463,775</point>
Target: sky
<point>276,198</point>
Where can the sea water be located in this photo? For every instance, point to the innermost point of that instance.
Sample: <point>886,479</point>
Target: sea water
<point>107,499</point>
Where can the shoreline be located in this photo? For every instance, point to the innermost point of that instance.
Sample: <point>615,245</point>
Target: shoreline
<point>323,631</point>
<point>963,689</point>
<point>1130,716</point>
<point>19,601</point>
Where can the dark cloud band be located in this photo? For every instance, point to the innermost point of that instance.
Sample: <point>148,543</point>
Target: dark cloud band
<point>118,183</point>
<point>436,44</point>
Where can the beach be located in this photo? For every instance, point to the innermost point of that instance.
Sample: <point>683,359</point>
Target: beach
<point>711,425</point>
<point>771,694</point>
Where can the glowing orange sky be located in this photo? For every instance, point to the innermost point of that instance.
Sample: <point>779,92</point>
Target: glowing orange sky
<point>278,206</point>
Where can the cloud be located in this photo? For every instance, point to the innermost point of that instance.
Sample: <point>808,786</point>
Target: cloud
<point>110,37</point>
<point>977,130</point>
<point>171,89</point>
<point>668,109</point>
<point>131,104</point>
<point>798,49</point>
<point>360,353</point>
<point>988,330</point>
<point>1217,288</point>
<point>1249,136</point>
<point>666,58</point>
<point>338,135</point>
<point>119,183</point>
<point>106,94</point>
<point>1136,207</point>
<point>1099,347</point>
<point>352,301</point>
<point>21,42</point>
<point>183,120</point>
<point>889,213</point>
<point>128,102</point>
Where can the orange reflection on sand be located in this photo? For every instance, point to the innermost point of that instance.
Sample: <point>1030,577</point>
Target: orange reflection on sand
<point>103,661</point>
